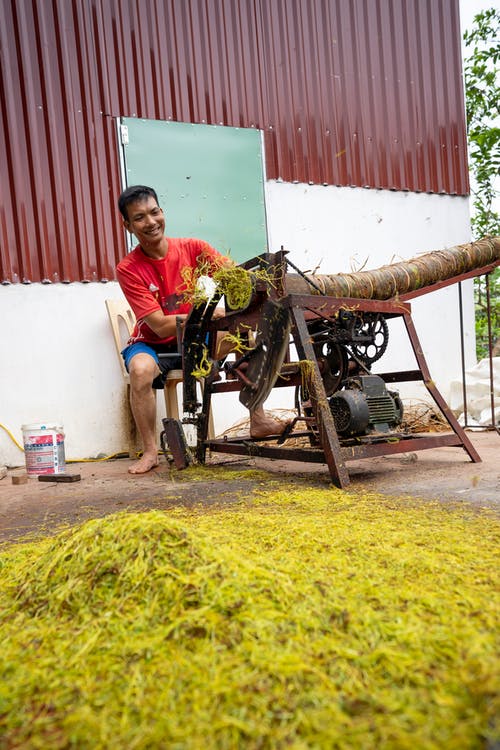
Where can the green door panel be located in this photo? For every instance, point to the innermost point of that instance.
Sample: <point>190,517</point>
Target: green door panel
<point>209,181</point>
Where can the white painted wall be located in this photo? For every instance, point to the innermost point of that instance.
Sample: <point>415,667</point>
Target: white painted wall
<point>59,365</point>
<point>338,230</point>
<point>59,362</point>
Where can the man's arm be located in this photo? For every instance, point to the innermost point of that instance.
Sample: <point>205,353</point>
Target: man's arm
<point>164,325</point>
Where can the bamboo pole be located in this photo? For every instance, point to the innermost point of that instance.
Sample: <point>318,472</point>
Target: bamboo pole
<point>399,278</point>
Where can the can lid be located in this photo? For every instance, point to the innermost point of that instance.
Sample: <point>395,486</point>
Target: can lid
<point>41,426</point>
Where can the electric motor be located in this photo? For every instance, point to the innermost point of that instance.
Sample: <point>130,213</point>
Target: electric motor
<point>365,405</point>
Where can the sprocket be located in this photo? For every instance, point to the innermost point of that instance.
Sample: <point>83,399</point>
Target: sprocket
<point>370,337</point>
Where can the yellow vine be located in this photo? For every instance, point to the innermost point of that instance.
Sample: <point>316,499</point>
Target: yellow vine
<point>204,367</point>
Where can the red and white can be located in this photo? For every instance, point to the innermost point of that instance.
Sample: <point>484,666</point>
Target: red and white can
<point>44,449</point>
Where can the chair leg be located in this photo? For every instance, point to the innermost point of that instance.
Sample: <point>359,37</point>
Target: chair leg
<point>131,426</point>
<point>211,428</point>
<point>171,403</point>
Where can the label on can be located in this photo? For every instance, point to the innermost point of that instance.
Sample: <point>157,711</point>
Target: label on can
<point>44,453</point>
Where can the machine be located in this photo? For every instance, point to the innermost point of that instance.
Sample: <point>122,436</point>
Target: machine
<point>343,410</point>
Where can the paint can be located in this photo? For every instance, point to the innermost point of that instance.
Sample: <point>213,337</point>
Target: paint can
<point>43,449</point>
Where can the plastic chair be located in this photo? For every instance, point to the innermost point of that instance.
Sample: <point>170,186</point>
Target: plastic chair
<point>122,321</point>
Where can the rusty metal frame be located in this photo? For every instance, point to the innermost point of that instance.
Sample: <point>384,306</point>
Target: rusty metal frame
<point>332,450</point>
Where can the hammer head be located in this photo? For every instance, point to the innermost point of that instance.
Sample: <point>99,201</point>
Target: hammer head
<point>271,346</point>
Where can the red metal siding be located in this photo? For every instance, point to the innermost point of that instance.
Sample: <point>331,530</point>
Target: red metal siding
<point>368,93</point>
<point>347,92</point>
<point>58,154</point>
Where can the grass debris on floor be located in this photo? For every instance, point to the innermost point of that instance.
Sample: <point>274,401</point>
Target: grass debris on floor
<point>295,619</point>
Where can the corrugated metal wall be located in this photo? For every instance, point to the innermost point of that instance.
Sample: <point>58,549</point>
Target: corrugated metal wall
<point>347,92</point>
<point>58,153</point>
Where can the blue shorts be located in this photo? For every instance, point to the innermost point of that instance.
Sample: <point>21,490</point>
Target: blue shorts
<point>166,357</point>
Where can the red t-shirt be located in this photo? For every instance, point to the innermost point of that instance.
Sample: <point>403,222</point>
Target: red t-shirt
<point>157,284</point>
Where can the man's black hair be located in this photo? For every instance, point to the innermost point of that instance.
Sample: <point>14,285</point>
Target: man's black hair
<point>132,194</point>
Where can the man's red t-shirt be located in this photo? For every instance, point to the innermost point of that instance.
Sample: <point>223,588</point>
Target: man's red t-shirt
<point>157,284</point>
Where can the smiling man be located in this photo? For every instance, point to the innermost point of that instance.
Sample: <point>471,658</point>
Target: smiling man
<point>151,278</point>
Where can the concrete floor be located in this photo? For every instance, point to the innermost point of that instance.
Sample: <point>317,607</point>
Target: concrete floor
<point>37,508</point>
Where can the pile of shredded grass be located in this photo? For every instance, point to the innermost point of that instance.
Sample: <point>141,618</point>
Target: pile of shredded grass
<point>299,618</point>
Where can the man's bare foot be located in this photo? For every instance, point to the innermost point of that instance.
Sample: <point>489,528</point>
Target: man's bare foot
<point>262,425</point>
<point>147,462</point>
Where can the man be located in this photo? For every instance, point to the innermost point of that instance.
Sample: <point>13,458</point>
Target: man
<point>151,277</point>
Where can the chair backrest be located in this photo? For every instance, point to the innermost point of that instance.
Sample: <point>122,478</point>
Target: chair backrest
<point>122,321</point>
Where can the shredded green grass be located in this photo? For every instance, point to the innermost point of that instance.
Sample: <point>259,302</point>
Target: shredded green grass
<point>298,618</point>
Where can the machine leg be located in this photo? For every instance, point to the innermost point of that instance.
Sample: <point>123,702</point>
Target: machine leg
<point>326,426</point>
<point>436,395</point>
<point>203,424</point>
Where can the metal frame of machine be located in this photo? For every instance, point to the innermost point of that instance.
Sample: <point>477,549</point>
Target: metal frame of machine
<point>267,364</point>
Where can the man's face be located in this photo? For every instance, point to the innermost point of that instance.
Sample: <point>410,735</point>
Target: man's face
<point>146,221</point>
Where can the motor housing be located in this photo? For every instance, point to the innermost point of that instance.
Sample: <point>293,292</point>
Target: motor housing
<point>364,405</point>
